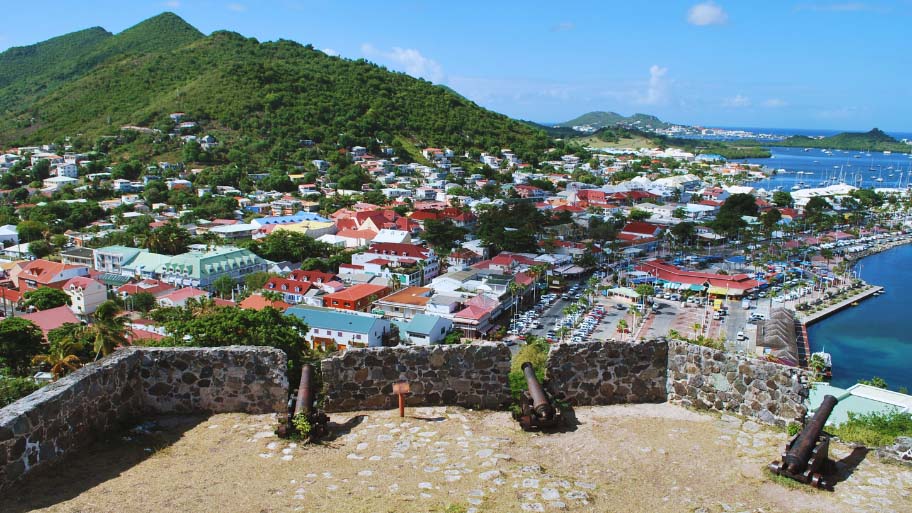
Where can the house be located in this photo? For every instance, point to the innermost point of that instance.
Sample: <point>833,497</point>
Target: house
<point>155,287</point>
<point>356,298</point>
<point>9,234</point>
<point>292,291</point>
<point>55,182</point>
<point>640,229</point>
<point>111,259</point>
<point>405,303</point>
<point>78,256</point>
<point>180,296</point>
<point>44,273</point>
<point>334,329</point>
<point>409,264</point>
<point>424,330</point>
<point>52,318</point>
<point>85,295</point>
<point>258,302</point>
<point>203,268</point>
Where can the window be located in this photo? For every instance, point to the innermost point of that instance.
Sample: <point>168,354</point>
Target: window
<point>338,333</point>
<point>316,331</point>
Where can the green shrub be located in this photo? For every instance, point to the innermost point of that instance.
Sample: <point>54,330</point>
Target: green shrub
<point>301,425</point>
<point>874,429</point>
<point>793,428</point>
<point>13,389</point>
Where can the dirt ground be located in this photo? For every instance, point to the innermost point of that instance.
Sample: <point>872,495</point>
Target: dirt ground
<point>633,458</point>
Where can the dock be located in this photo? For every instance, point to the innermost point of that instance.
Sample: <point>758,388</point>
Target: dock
<point>809,319</point>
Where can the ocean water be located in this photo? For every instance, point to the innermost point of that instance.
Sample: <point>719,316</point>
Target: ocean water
<point>815,167</point>
<point>875,337</point>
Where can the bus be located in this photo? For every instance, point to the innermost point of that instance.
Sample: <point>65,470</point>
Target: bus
<point>717,305</point>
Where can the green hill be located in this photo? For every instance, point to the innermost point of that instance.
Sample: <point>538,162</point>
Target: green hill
<point>28,73</point>
<point>262,97</point>
<point>874,140</point>
<point>601,119</point>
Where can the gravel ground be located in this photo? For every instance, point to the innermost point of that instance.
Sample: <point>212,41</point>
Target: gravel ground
<point>649,458</point>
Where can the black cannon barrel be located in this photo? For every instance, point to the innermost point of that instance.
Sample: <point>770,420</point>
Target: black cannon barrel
<point>305,400</point>
<point>796,459</point>
<point>540,404</point>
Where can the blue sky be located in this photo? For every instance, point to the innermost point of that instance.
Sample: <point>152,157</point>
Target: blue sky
<point>797,64</point>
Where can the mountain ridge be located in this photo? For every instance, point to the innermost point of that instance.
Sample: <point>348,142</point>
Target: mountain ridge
<point>605,119</point>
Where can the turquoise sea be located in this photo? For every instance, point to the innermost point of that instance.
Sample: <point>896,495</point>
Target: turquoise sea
<point>875,337</point>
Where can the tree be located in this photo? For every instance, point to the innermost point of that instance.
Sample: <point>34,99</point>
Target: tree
<point>697,329</point>
<point>45,298</point>
<point>874,382</point>
<point>12,389</point>
<point>170,239</point>
<point>214,326</point>
<point>39,248</point>
<point>61,358</point>
<point>679,213</point>
<point>285,245</point>
<point>257,280</point>
<point>770,219</point>
<point>108,330</point>
<point>20,341</point>
<point>223,286</point>
<point>142,302</point>
<point>638,215</point>
<point>783,199</point>
<point>684,232</point>
<point>31,230</point>
<point>442,235</point>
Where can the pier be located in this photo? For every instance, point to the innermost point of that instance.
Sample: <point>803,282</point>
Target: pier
<point>807,319</point>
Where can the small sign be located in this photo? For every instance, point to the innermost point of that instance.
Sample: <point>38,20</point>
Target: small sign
<point>400,388</point>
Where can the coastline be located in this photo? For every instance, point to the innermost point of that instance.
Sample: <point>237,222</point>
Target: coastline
<point>807,320</point>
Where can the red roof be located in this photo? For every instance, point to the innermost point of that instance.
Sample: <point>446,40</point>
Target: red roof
<point>43,271</point>
<point>286,285</point>
<point>154,287</point>
<point>52,318</point>
<point>258,302</point>
<point>358,292</point>
<point>668,272</point>
<point>641,228</point>
<point>311,276</point>
<point>399,249</point>
<point>184,294</point>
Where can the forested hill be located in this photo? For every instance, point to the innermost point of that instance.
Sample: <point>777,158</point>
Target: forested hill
<point>601,119</point>
<point>266,97</point>
<point>29,73</point>
<point>873,140</point>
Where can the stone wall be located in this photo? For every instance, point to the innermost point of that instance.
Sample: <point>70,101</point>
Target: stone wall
<point>608,372</point>
<point>242,379</point>
<point>132,383</point>
<point>706,378</point>
<point>472,376</point>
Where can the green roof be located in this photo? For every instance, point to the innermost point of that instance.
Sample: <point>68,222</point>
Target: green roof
<point>113,279</point>
<point>847,403</point>
<point>201,263</point>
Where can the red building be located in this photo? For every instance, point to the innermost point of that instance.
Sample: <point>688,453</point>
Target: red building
<point>356,298</point>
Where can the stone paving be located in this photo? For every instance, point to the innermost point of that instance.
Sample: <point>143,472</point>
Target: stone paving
<point>654,457</point>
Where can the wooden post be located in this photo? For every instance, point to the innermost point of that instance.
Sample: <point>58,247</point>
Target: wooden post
<point>400,389</point>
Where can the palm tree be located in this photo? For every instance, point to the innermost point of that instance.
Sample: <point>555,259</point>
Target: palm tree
<point>674,334</point>
<point>109,329</point>
<point>61,358</point>
<point>697,327</point>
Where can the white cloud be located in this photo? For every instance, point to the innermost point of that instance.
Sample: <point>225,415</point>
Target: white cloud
<point>408,60</point>
<point>706,13</point>
<point>657,92</point>
<point>737,101</point>
<point>236,7</point>
<point>174,4</point>
<point>775,103</point>
<point>330,52</point>
<point>564,26</point>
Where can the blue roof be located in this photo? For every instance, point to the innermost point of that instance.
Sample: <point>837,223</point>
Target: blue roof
<point>296,218</point>
<point>327,318</point>
<point>423,323</point>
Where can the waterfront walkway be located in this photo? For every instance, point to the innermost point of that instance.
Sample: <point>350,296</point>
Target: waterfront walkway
<point>808,319</point>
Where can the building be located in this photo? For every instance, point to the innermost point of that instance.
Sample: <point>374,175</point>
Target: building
<point>356,298</point>
<point>78,256</point>
<point>424,330</point>
<point>85,295</point>
<point>202,268</point>
<point>406,303</point>
<point>44,273</point>
<point>407,264</point>
<point>112,259</point>
<point>335,329</point>
<point>180,296</point>
<point>9,235</point>
<point>52,318</point>
<point>668,276</point>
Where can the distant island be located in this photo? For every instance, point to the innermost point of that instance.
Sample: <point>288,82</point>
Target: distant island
<point>874,140</point>
<point>592,121</point>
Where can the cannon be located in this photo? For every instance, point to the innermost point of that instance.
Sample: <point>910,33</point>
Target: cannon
<point>536,412</point>
<point>305,404</point>
<point>806,456</point>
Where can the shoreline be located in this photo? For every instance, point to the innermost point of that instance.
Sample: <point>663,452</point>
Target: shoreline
<point>806,321</point>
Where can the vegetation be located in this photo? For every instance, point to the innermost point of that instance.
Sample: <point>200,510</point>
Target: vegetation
<point>535,352</point>
<point>873,140</point>
<point>20,341</point>
<point>109,329</point>
<point>12,389</point>
<point>601,119</point>
<point>263,98</point>
<point>45,298</point>
<point>874,429</point>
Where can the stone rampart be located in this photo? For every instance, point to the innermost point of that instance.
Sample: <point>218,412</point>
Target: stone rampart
<point>608,372</point>
<point>132,383</point>
<point>706,378</point>
<point>468,375</point>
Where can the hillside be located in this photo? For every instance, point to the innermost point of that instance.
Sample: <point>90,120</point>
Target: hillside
<point>601,119</point>
<point>29,73</point>
<point>873,140</point>
<point>265,97</point>
<point>620,137</point>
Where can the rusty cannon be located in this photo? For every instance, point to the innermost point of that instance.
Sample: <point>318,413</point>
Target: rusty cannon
<point>806,456</point>
<point>536,412</point>
<point>303,415</point>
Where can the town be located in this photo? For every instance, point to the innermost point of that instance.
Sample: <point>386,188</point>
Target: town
<point>431,248</point>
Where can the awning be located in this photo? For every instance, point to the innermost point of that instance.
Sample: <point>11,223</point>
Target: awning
<point>113,280</point>
<point>697,288</point>
<point>624,291</point>
<point>724,291</point>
